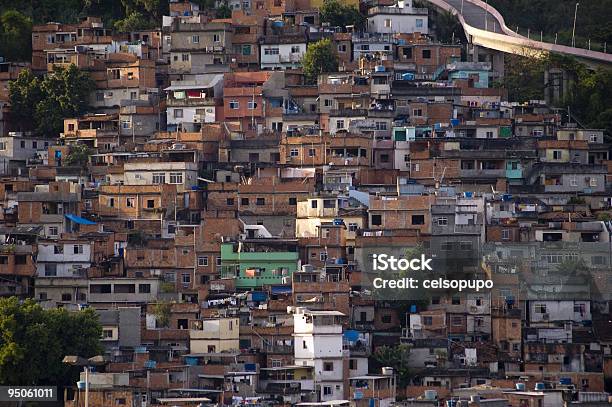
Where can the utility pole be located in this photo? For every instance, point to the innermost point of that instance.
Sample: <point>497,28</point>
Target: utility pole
<point>574,29</point>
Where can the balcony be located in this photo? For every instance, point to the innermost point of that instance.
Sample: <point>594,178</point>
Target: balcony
<point>348,112</point>
<point>191,102</point>
<point>494,173</point>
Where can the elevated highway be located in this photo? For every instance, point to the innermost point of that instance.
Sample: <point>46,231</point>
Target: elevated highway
<point>485,26</point>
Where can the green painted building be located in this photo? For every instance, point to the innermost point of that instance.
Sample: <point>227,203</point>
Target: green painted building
<point>256,268</point>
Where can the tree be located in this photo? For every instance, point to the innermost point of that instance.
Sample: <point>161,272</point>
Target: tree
<point>224,11</point>
<point>320,57</point>
<point>448,27</point>
<point>15,36</point>
<point>78,156</point>
<point>397,358</point>
<point>133,22</point>
<point>61,94</point>
<point>162,311</point>
<point>33,342</point>
<point>341,15</point>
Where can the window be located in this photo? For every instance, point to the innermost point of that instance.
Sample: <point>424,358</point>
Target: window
<point>185,57</point>
<point>352,227</point>
<point>327,102</point>
<point>125,288</point>
<point>77,249</point>
<point>442,221</point>
<point>144,288</point>
<point>234,104</point>
<point>341,47</point>
<point>456,321</point>
<point>294,152</point>
<point>557,154</point>
<point>216,38</point>
<point>50,270</point>
<point>593,138</point>
<point>271,51</point>
<point>540,308</point>
<point>381,125</point>
<point>246,49</point>
<point>229,201</point>
<point>376,220</point>
<point>505,234</point>
<point>418,219</point>
<point>489,134</point>
<point>426,53</point>
<point>419,23</point>
<point>130,202</point>
<point>323,256</point>
<point>195,39</point>
<point>260,201</point>
<point>244,201</point>
<point>384,158</point>
<point>66,297</point>
<point>386,319</point>
<point>176,178</point>
<point>34,144</point>
<point>339,124</point>
<point>178,113</point>
<point>304,346</point>
<point>427,320</point>
<point>312,152</point>
<point>150,203</point>
<point>327,390</point>
<point>417,112</point>
<point>295,49</point>
<point>328,366</point>
<point>292,201</point>
<point>53,231</point>
<point>3,146</point>
<point>159,178</point>
<point>387,22</point>
<point>593,182</point>
<point>218,261</point>
<point>202,261</point>
<point>465,246</point>
<point>186,278</point>
<point>251,105</point>
<point>456,300</point>
<point>314,204</point>
<point>353,364</point>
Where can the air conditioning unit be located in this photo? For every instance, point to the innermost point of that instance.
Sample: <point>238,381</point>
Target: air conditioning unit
<point>546,317</point>
<point>177,146</point>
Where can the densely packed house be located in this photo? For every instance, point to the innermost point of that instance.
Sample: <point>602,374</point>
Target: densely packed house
<point>229,208</point>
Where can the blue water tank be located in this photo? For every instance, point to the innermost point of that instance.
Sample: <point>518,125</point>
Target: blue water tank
<point>379,68</point>
<point>408,76</point>
<point>539,386</point>
<point>565,381</point>
<point>278,24</point>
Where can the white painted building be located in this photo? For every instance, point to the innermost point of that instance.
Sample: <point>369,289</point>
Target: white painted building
<point>401,18</point>
<point>182,174</point>
<point>282,56</point>
<point>63,259</point>
<point>193,102</point>
<point>561,310</point>
<point>318,343</point>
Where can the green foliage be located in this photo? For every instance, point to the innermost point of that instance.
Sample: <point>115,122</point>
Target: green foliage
<point>34,341</point>
<point>223,11</point>
<point>133,22</point>
<point>554,16</point>
<point>397,358</point>
<point>79,155</point>
<point>341,15</point>
<point>604,216</point>
<point>162,311</point>
<point>447,27</point>
<point>15,42</point>
<point>47,102</point>
<point>15,36</point>
<point>320,57</point>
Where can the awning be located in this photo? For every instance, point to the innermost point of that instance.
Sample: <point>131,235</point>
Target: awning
<point>79,220</point>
